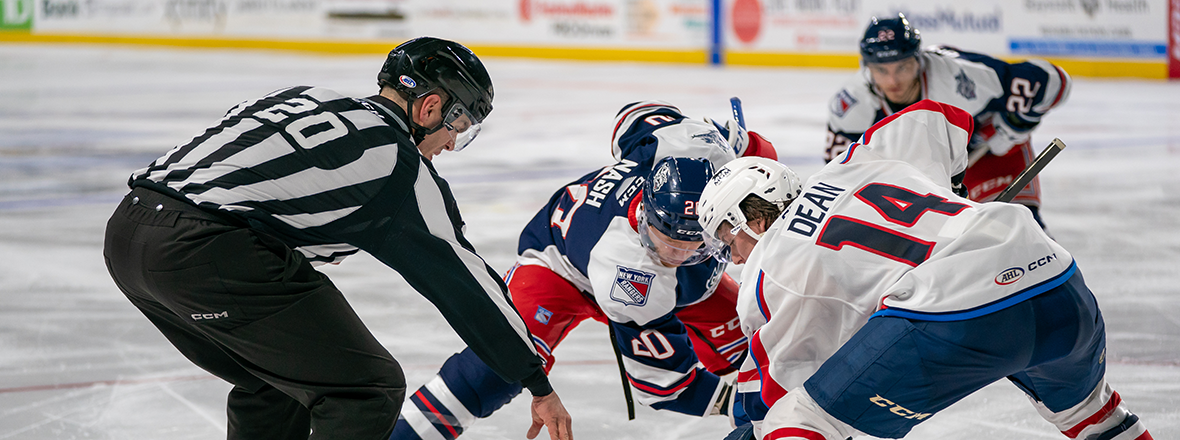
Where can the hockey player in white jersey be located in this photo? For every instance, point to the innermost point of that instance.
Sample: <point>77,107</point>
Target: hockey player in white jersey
<point>879,296</point>
<point>620,245</point>
<point>1006,100</point>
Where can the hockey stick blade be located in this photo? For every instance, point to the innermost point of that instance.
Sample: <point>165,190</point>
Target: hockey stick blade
<point>1029,173</point>
<point>738,116</point>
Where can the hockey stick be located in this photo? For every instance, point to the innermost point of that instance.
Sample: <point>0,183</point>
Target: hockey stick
<point>976,154</point>
<point>622,374</point>
<point>738,116</point>
<point>1029,173</point>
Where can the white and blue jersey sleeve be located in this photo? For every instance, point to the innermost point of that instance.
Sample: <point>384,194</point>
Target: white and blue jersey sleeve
<point>1020,94</point>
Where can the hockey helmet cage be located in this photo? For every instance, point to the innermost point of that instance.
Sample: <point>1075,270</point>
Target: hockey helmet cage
<point>670,196</point>
<point>422,65</point>
<point>889,40</point>
<point>720,200</point>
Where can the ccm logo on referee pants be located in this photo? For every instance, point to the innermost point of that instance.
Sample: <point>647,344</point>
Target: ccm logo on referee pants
<point>207,316</point>
<point>897,409</point>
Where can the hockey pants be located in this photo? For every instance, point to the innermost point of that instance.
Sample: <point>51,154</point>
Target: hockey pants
<point>896,373</point>
<point>991,174</point>
<point>248,309</point>
<point>986,178</point>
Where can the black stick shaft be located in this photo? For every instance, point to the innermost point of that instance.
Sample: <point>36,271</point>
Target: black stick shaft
<point>622,374</point>
<point>1029,173</point>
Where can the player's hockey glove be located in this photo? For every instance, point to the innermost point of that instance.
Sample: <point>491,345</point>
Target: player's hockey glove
<point>723,406</point>
<point>957,185</point>
<point>999,132</point>
<point>729,404</point>
<point>745,143</point>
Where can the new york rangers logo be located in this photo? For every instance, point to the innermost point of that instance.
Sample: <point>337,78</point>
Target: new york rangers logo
<point>842,102</point>
<point>543,315</point>
<point>631,286</point>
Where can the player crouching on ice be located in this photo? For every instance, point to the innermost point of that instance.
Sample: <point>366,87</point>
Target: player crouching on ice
<point>620,245</point>
<point>879,296</point>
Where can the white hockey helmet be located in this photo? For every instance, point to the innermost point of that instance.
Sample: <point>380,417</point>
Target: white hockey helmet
<point>758,176</point>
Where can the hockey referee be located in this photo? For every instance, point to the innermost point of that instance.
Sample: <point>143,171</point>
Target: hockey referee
<point>217,240</point>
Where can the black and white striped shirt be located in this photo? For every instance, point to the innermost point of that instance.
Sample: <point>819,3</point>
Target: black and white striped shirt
<point>331,175</point>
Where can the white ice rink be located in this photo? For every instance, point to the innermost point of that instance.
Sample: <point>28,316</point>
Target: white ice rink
<point>77,361</point>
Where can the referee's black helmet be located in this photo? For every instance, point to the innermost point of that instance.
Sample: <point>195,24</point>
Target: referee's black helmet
<point>422,65</point>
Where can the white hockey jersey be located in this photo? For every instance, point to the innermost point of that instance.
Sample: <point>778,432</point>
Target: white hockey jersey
<point>980,85</point>
<point>879,231</point>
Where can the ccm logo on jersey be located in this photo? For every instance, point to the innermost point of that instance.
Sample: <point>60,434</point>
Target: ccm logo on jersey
<point>208,316</point>
<point>1043,261</point>
<point>1009,276</point>
<point>897,409</point>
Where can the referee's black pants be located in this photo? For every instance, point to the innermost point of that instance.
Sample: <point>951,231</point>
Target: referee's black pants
<point>247,308</point>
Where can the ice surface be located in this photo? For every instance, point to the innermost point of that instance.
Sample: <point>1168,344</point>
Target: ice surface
<point>77,361</point>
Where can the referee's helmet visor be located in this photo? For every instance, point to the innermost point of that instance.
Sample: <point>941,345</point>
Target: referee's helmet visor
<point>462,124</point>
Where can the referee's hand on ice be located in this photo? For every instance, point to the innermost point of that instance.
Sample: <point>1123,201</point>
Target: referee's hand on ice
<point>548,411</point>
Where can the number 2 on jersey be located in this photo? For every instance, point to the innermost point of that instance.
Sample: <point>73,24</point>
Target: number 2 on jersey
<point>897,205</point>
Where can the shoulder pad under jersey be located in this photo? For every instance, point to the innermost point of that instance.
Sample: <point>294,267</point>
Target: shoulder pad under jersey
<point>952,77</point>
<point>654,130</point>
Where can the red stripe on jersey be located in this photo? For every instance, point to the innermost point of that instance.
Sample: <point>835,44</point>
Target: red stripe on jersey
<point>508,276</point>
<point>1061,90</point>
<point>668,392</point>
<point>749,376</point>
<point>954,115</point>
<point>1097,417</point>
<point>633,209</point>
<point>851,149</point>
<point>771,390</point>
<point>762,299</point>
<point>438,416</point>
<point>793,433</point>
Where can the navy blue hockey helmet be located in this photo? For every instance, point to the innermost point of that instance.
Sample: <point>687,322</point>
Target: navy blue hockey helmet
<point>670,195</point>
<point>426,64</point>
<point>889,40</point>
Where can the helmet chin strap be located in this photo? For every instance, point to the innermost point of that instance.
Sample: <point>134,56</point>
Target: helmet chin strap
<point>417,131</point>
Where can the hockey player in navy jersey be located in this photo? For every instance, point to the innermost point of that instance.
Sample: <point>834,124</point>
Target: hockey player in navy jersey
<point>877,296</point>
<point>620,245</point>
<point>1006,100</point>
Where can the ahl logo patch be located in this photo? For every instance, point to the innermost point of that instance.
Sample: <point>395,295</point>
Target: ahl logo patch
<point>842,102</point>
<point>1009,276</point>
<point>631,286</point>
<point>407,81</point>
